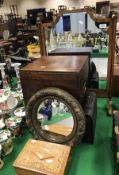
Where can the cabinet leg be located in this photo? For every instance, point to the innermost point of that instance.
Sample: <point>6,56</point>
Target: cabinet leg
<point>110,111</point>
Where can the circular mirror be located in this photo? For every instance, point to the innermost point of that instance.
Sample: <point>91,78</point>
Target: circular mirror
<point>56,116</point>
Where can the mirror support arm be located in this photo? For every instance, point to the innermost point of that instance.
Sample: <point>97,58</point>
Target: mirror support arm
<point>42,39</point>
<point>111,55</point>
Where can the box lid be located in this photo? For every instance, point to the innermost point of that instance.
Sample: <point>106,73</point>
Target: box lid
<point>57,64</point>
<point>43,157</point>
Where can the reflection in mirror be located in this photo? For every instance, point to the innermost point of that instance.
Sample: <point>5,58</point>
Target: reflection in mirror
<point>54,117</point>
<point>77,30</point>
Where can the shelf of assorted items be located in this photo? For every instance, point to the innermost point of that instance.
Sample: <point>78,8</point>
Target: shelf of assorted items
<point>12,112</point>
<point>11,119</point>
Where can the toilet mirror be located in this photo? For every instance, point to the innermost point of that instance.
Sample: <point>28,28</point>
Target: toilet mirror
<point>75,31</point>
<point>107,25</point>
<point>54,119</point>
<point>54,115</point>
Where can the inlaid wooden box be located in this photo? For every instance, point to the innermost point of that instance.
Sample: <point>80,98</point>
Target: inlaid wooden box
<point>69,73</point>
<point>42,158</point>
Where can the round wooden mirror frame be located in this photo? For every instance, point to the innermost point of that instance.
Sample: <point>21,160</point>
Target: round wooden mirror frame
<point>111,21</point>
<point>79,123</point>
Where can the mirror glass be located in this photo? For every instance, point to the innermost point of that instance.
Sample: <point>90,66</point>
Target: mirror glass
<point>77,30</point>
<point>55,119</point>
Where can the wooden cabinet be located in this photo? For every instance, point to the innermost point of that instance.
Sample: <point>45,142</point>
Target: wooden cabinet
<point>116,80</point>
<point>69,73</point>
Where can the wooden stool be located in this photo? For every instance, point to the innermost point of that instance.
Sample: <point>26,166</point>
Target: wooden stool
<point>42,158</point>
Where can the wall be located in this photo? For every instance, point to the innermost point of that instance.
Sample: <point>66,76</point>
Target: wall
<point>76,27</point>
<point>91,26</point>
<point>77,23</point>
<point>74,23</point>
<point>28,4</point>
<point>23,5</point>
<point>59,26</point>
<point>5,9</point>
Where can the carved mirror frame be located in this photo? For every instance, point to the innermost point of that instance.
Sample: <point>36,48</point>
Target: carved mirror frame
<point>111,46</point>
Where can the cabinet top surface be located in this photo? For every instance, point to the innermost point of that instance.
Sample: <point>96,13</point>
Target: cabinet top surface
<point>57,64</point>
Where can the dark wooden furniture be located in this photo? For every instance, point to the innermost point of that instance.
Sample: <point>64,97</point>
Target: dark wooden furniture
<point>69,73</point>
<point>4,45</point>
<point>72,51</point>
<point>42,158</point>
<point>24,36</point>
<point>90,110</point>
<point>116,80</point>
<point>116,141</point>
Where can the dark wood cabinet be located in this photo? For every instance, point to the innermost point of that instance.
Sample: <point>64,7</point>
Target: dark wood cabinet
<point>69,73</point>
<point>116,80</point>
<point>72,51</point>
